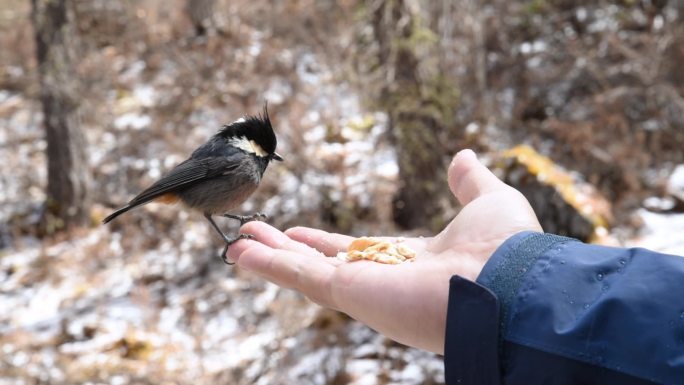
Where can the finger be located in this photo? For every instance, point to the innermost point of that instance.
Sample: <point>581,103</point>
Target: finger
<point>265,234</point>
<point>469,179</point>
<point>274,238</point>
<point>327,243</point>
<point>310,276</point>
<point>237,248</point>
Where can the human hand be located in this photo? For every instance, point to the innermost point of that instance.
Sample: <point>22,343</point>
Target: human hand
<point>405,302</point>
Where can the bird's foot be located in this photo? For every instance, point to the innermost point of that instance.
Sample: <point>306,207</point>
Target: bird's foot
<point>224,255</point>
<point>247,218</point>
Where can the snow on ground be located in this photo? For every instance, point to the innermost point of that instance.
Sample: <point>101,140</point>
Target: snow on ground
<point>661,232</point>
<point>145,299</point>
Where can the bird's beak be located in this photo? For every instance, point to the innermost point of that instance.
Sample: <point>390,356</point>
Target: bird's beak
<point>277,157</point>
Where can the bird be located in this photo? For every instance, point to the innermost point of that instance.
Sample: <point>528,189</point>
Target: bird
<point>219,175</point>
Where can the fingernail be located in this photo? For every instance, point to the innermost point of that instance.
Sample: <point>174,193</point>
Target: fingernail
<point>467,153</point>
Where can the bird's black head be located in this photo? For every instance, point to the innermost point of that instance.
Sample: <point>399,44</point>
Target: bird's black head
<point>253,134</point>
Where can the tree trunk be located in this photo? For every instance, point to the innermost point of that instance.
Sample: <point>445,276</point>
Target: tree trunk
<point>201,14</point>
<point>415,126</point>
<point>68,173</point>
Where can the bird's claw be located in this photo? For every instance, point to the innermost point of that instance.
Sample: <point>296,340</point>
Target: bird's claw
<point>247,218</point>
<point>260,217</point>
<point>224,254</point>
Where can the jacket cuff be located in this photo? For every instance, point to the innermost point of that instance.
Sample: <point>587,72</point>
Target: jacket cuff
<point>477,310</point>
<point>507,267</point>
<point>471,349</point>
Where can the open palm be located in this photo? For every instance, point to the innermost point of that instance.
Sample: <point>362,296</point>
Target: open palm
<point>406,302</point>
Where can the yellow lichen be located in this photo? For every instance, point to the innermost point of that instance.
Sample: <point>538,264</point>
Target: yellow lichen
<point>578,194</point>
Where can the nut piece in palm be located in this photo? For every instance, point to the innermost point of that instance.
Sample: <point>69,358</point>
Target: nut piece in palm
<point>377,250</point>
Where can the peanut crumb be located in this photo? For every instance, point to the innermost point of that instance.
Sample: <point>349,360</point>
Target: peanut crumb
<point>377,250</point>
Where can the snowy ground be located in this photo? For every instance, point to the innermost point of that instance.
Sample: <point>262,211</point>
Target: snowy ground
<point>661,232</point>
<point>145,299</point>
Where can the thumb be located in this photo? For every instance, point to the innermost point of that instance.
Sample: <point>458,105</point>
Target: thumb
<point>469,179</point>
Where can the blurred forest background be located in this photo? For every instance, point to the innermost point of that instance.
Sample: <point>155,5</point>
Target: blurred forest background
<point>370,99</point>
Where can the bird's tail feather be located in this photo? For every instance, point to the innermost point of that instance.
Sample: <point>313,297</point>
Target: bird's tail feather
<point>117,213</point>
<point>137,201</point>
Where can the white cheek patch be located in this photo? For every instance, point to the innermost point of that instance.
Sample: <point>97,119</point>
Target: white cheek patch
<point>257,149</point>
<point>249,146</point>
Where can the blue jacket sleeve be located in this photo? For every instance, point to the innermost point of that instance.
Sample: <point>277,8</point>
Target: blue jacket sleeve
<point>552,310</point>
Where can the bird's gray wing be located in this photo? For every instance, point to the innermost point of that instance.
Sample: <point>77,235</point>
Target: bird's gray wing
<point>191,170</point>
